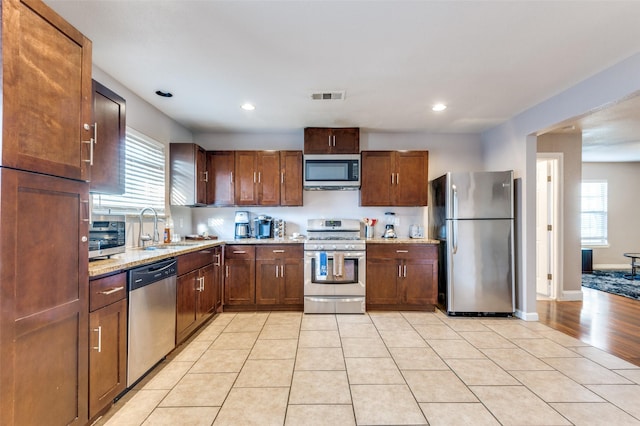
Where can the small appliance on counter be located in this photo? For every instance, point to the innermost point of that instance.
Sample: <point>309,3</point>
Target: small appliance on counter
<point>416,231</point>
<point>243,227</point>
<point>389,229</point>
<point>107,236</point>
<point>263,226</point>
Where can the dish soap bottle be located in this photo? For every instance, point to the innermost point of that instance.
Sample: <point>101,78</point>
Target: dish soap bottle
<point>168,226</point>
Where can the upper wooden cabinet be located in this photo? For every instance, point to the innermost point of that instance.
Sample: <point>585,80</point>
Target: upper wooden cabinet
<point>221,167</point>
<point>107,171</point>
<point>257,180</point>
<point>46,92</point>
<point>394,178</point>
<point>322,140</point>
<point>291,178</point>
<point>189,175</point>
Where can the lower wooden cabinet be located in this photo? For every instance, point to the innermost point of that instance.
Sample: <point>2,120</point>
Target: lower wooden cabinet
<point>280,276</point>
<point>198,290</point>
<point>402,276</point>
<point>107,341</point>
<point>239,276</point>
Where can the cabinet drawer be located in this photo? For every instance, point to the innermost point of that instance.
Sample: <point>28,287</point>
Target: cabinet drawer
<point>402,251</point>
<point>240,251</point>
<point>191,261</point>
<point>104,291</point>
<point>280,251</point>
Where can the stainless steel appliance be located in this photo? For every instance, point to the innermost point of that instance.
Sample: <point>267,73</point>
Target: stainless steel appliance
<point>263,226</point>
<point>332,171</point>
<point>472,216</point>
<point>152,316</point>
<point>242,225</point>
<point>334,267</point>
<point>107,236</point>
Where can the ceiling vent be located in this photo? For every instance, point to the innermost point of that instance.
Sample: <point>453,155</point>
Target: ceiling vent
<point>328,96</point>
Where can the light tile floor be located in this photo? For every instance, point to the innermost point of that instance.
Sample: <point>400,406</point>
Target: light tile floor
<point>396,368</point>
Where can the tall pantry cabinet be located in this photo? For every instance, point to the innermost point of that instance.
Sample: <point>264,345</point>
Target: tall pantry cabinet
<point>44,168</point>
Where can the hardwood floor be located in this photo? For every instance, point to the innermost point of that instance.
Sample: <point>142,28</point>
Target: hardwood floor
<point>603,320</point>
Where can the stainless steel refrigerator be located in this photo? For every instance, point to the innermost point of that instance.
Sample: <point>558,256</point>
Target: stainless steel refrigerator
<point>471,214</point>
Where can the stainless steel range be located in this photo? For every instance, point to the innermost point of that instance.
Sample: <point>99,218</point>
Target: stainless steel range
<point>334,267</point>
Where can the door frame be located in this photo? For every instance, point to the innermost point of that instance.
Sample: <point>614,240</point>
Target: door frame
<point>555,241</point>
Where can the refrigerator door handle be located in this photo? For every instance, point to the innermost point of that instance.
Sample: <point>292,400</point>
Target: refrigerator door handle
<point>454,201</point>
<point>454,236</point>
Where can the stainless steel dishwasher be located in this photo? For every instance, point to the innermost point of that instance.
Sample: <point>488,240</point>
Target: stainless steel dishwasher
<point>152,316</point>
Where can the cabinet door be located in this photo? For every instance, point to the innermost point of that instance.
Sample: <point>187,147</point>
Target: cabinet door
<point>420,282</point>
<point>246,169</point>
<point>376,178</point>
<point>186,301</point>
<point>268,282</point>
<point>46,92</point>
<point>107,172</point>
<point>220,187</point>
<point>345,141</point>
<point>382,277</point>
<point>317,140</point>
<point>44,349</point>
<point>411,178</point>
<point>269,178</point>
<point>202,176</point>
<point>292,282</point>
<point>291,178</point>
<point>107,355</point>
<point>239,282</point>
<point>207,291</point>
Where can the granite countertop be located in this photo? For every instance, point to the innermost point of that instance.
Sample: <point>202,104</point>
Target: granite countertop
<point>137,257</point>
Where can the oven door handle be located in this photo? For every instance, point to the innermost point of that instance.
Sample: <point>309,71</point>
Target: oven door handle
<point>339,299</point>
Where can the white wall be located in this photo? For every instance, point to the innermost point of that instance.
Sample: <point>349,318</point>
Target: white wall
<point>452,152</point>
<point>510,145</point>
<point>623,207</point>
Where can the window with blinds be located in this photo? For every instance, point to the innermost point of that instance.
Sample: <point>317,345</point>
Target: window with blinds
<point>594,213</point>
<point>144,178</point>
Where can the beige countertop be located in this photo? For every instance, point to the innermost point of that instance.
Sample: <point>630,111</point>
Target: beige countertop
<point>137,257</point>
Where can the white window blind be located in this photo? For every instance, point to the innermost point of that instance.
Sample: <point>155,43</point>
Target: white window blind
<point>144,178</point>
<point>594,213</point>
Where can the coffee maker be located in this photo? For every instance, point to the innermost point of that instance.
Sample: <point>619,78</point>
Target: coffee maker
<point>243,227</point>
<point>264,226</point>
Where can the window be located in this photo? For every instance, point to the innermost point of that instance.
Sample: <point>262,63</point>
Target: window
<point>594,213</point>
<point>144,178</point>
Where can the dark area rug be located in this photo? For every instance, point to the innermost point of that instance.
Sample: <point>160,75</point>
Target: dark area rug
<point>613,282</point>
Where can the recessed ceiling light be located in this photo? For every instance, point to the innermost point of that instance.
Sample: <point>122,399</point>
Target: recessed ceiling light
<point>439,107</point>
<point>248,107</point>
<point>164,94</point>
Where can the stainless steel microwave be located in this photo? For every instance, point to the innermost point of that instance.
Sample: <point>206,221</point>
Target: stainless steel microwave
<point>332,172</point>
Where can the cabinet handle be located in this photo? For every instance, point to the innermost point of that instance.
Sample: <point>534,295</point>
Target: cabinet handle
<point>278,251</point>
<point>405,271</point>
<point>217,260</point>
<point>202,282</point>
<point>86,210</point>
<point>226,271</point>
<point>206,175</point>
<point>276,271</point>
<point>99,330</point>
<point>402,251</point>
<point>259,177</point>
<point>329,141</point>
<point>334,140</point>
<point>282,271</point>
<point>282,177</point>
<point>399,270</point>
<point>113,290</point>
<point>254,177</point>
<point>397,178</point>
<point>91,141</point>
<point>239,252</point>
<point>392,178</point>
<point>231,173</point>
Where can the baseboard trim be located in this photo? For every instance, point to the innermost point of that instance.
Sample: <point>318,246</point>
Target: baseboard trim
<point>527,316</point>
<point>571,296</point>
<point>613,266</point>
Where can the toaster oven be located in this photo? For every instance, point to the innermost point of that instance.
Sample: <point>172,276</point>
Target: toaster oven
<point>106,236</point>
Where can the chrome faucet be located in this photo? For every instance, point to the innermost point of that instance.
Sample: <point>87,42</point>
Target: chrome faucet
<point>143,238</point>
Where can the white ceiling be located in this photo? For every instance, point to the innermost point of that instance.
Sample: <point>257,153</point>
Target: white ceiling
<point>488,60</point>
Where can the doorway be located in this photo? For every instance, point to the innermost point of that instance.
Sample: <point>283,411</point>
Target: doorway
<point>548,226</point>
